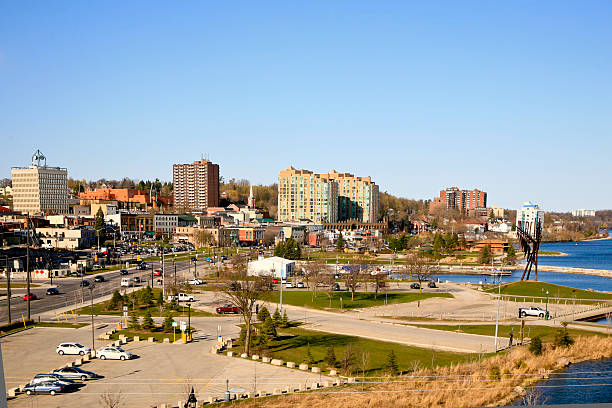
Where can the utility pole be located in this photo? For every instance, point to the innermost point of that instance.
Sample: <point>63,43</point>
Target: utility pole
<point>93,336</point>
<point>163,274</point>
<point>8,289</point>
<point>28,268</point>
<point>497,317</point>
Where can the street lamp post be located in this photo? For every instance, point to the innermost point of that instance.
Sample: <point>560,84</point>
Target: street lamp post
<point>93,336</point>
<point>547,304</point>
<point>497,316</point>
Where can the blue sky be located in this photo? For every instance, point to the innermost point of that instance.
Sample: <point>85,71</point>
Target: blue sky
<point>418,95</point>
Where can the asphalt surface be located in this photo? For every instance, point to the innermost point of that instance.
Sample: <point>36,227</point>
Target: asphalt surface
<point>72,294</point>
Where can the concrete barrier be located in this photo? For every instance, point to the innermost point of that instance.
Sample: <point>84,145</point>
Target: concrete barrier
<point>105,337</point>
<point>151,339</point>
<point>351,380</point>
<point>166,340</point>
<point>211,399</point>
<point>21,387</point>
<point>290,364</point>
<point>303,367</point>
<point>255,357</point>
<point>261,393</point>
<point>265,359</point>
<point>117,343</point>
<point>333,372</point>
<point>136,338</point>
<point>12,392</point>
<point>244,355</point>
<point>92,354</point>
<point>86,357</point>
<point>314,386</point>
<point>327,384</point>
<point>277,391</point>
<point>316,370</point>
<point>230,353</point>
<point>277,362</point>
<point>123,341</point>
<point>78,362</point>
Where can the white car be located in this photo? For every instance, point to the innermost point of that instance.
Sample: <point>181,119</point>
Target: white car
<point>114,353</point>
<point>195,281</point>
<point>72,348</point>
<point>289,285</point>
<point>300,285</point>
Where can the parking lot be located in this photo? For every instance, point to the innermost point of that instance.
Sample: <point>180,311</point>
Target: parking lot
<point>161,373</point>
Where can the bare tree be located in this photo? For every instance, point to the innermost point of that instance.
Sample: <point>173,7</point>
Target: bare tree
<point>533,397</point>
<point>380,282</point>
<point>244,292</point>
<point>348,359</point>
<point>420,269</point>
<point>314,274</point>
<point>352,278</point>
<point>110,399</point>
<point>329,282</point>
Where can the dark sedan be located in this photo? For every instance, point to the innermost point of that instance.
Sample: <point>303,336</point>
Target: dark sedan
<point>49,387</point>
<point>52,291</point>
<point>99,278</point>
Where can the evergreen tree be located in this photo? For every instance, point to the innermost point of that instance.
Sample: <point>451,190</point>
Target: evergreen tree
<point>285,320</point>
<point>263,314</point>
<point>160,298</point>
<point>173,305</point>
<point>404,241</point>
<point>330,357</point>
<point>146,296</point>
<point>267,333</point>
<point>390,365</point>
<point>462,243</point>
<point>536,346</point>
<point>562,337</point>
<point>147,321</point>
<point>100,226</point>
<point>340,244</point>
<point>438,243</point>
<point>277,318</point>
<point>308,358</point>
<point>134,322</point>
<point>279,250</point>
<point>511,255</point>
<point>115,301</point>
<point>168,328</point>
<point>485,256</point>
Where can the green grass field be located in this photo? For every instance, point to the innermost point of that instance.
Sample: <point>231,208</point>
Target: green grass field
<point>159,336</point>
<point>547,333</point>
<point>292,344</point>
<point>538,289</point>
<point>321,301</point>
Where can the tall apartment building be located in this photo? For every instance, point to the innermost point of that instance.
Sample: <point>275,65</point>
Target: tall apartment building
<point>196,185</point>
<point>529,216</point>
<point>330,197</point>
<point>39,188</point>
<point>461,200</point>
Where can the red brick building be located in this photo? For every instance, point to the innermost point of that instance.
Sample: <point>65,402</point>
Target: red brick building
<point>196,185</point>
<point>462,200</point>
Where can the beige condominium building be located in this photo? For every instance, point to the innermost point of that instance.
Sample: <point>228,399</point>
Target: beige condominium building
<point>196,185</point>
<point>329,197</point>
<point>305,195</point>
<point>40,188</point>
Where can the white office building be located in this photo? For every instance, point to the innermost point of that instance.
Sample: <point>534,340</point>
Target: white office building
<point>528,217</point>
<point>583,213</point>
<point>274,266</point>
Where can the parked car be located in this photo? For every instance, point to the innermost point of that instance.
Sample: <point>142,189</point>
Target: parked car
<point>274,280</point>
<point>336,287</point>
<point>123,272</point>
<point>97,267</point>
<point>157,272</point>
<point>289,285</point>
<point>415,285</point>
<point>227,309</point>
<point>99,278</point>
<point>136,279</point>
<point>49,387</point>
<point>52,291</point>
<point>195,281</point>
<point>533,311</point>
<point>431,284</point>
<point>300,285</point>
<point>32,297</point>
<point>84,283</point>
<point>72,348</point>
<point>39,378</point>
<point>114,353</point>
<point>184,297</point>
<point>75,373</point>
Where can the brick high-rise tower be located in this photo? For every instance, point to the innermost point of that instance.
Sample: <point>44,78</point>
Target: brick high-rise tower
<point>196,185</point>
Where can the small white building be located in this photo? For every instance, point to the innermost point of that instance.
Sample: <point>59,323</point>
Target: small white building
<point>529,216</point>
<point>274,266</point>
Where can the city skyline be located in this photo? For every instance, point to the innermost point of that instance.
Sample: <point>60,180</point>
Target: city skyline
<point>512,99</point>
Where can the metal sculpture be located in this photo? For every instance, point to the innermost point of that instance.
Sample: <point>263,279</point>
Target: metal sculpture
<point>530,246</point>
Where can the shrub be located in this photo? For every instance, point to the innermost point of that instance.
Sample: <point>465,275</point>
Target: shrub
<point>168,328</point>
<point>536,346</point>
<point>134,322</point>
<point>277,318</point>
<point>330,358</point>
<point>494,373</point>
<point>562,337</point>
<point>267,333</point>
<point>114,302</point>
<point>390,365</point>
<point>308,358</point>
<point>284,320</point>
<point>263,314</point>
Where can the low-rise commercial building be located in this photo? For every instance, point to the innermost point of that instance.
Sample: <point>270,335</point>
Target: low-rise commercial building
<point>273,266</point>
<point>67,238</point>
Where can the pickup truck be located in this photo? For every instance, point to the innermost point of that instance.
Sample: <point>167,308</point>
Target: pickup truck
<point>533,311</point>
<point>181,297</point>
<point>227,309</point>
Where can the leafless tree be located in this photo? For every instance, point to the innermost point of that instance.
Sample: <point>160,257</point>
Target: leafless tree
<point>244,292</point>
<point>314,274</point>
<point>533,397</point>
<point>380,282</point>
<point>352,278</point>
<point>111,399</point>
<point>348,360</point>
<point>329,282</point>
<point>420,269</point>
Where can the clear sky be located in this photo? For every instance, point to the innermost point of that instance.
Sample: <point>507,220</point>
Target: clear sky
<point>513,98</point>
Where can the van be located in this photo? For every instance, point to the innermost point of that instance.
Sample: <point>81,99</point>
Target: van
<point>126,282</point>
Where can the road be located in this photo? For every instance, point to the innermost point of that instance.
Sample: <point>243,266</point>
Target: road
<point>73,295</point>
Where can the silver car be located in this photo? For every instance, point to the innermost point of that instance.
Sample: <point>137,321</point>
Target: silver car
<point>75,373</point>
<point>114,353</point>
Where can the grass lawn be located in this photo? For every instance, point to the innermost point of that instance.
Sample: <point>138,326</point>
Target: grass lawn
<point>100,309</point>
<point>547,333</point>
<point>321,301</point>
<point>292,344</point>
<point>66,325</point>
<point>19,285</point>
<point>538,289</point>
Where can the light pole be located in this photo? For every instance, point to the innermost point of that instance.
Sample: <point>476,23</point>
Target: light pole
<point>497,317</point>
<point>93,336</point>
<point>547,305</point>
